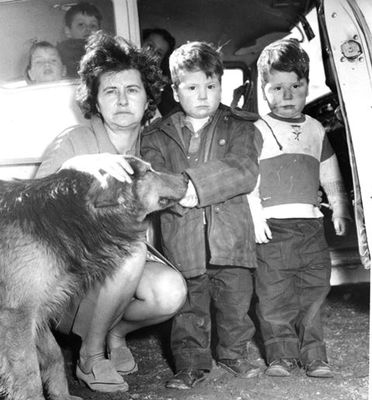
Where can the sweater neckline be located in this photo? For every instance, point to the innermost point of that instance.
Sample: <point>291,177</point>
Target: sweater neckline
<point>290,120</point>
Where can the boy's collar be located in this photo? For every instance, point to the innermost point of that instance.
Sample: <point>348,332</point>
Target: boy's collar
<point>291,120</point>
<point>186,122</point>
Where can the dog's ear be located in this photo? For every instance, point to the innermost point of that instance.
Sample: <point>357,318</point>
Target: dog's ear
<point>139,166</point>
<point>109,195</point>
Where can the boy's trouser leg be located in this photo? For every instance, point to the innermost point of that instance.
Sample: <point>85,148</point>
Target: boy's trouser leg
<point>290,257</point>
<point>313,285</point>
<point>231,291</point>
<point>191,328</point>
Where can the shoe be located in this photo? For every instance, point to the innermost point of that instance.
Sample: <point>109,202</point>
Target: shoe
<point>102,377</point>
<point>186,379</point>
<point>123,361</point>
<point>318,369</point>
<point>241,368</point>
<point>281,367</point>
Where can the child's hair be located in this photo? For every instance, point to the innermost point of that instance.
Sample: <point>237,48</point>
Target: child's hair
<point>284,55</point>
<point>195,56</point>
<point>82,8</point>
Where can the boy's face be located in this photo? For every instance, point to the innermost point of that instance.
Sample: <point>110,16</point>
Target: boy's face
<point>82,26</point>
<point>285,93</point>
<point>198,95</point>
<point>46,65</point>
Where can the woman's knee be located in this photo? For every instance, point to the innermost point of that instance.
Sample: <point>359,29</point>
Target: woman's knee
<point>169,290</point>
<point>176,290</point>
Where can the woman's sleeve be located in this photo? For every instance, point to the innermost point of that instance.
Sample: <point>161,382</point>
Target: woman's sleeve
<point>59,151</point>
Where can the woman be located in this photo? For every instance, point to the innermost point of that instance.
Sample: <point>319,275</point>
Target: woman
<point>118,91</point>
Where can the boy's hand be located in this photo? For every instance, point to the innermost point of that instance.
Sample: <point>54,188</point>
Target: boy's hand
<point>99,164</point>
<point>340,225</point>
<point>190,199</point>
<point>262,232</point>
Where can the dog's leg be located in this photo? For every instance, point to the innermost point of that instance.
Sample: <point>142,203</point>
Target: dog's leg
<point>19,368</point>
<point>52,367</point>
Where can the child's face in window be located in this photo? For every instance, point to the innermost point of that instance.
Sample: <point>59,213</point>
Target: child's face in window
<point>46,65</point>
<point>285,93</point>
<point>158,46</point>
<point>198,94</point>
<point>82,26</point>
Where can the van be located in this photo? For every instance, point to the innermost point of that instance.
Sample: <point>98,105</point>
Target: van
<point>336,34</point>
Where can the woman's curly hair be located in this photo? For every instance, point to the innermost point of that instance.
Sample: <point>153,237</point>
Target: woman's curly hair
<point>105,53</point>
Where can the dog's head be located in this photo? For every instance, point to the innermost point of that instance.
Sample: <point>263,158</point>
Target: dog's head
<point>149,191</point>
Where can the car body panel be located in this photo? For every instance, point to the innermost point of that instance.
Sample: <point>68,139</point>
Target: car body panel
<point>348,24</point>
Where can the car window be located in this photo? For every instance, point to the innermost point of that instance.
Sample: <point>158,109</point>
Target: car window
<point>24,22</point>
<point>232,78</point>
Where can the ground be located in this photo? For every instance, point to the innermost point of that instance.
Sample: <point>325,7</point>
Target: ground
<point>346,325</point>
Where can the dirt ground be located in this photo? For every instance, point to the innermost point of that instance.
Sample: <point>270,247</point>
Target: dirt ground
<point>346,322</point>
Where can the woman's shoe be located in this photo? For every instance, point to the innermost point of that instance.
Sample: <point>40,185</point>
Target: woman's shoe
<point>123,361</point>
<point>102,377</point>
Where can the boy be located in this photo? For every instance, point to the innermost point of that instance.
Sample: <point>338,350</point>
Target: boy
<point>209,236</point>
<point>81,20</point>
<point>293,274</point>
<point>44,63</point>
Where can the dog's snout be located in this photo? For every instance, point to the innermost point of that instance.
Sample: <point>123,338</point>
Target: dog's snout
<point>177,185</point>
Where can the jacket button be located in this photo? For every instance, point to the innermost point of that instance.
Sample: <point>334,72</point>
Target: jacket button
<point>217,210</point>
<point>222,142</point>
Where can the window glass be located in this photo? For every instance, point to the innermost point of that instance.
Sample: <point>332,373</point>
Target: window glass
<point>25,22</point>
<point>231,79</point>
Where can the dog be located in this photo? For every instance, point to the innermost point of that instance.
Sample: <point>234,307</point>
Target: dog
<point>58,236</point>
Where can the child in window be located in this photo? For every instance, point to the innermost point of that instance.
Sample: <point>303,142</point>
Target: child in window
<point>81,20</point>
<point>45,64</point>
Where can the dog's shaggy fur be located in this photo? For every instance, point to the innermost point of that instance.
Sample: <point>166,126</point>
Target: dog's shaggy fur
<point>59,235</point>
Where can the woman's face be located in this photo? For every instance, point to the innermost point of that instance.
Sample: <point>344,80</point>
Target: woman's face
<point>122,99</point>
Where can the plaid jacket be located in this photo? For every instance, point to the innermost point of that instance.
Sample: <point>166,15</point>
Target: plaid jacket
<point>229,171</point>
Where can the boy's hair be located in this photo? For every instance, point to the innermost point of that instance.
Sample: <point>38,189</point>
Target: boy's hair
<point>284,55</point>
<point>108,54</point>
<point>82,8</point>
<point>195,56</point>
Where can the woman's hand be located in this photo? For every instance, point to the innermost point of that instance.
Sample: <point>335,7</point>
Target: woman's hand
<point>99,164</point>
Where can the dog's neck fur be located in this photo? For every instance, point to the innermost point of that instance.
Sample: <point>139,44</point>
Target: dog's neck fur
<point>59,203</point>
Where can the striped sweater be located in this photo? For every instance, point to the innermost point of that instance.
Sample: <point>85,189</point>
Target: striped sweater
<point>296,159</point>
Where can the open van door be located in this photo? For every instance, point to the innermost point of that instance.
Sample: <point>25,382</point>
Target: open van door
<point>345,26</point>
